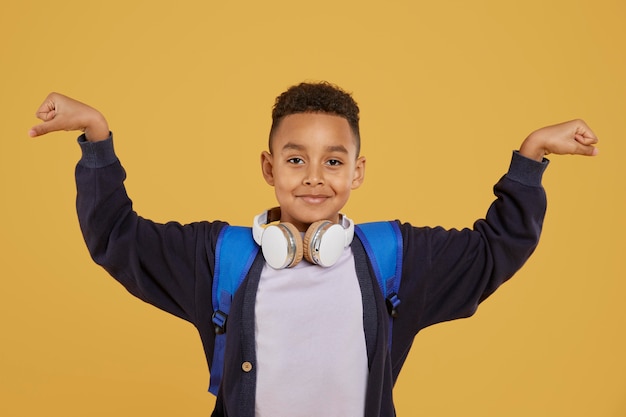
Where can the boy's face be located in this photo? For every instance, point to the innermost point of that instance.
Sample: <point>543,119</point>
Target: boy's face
<point>313,167</point>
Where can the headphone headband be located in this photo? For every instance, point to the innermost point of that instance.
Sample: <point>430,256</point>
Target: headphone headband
<point>262,219</point>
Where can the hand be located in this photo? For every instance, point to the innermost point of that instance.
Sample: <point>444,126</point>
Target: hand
<point>59,112</point>
<point>572,138</point>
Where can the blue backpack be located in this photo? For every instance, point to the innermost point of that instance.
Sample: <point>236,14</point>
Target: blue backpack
<point>236,250</point>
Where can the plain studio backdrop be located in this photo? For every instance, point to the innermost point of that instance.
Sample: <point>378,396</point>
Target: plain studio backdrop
<point>447,90</point>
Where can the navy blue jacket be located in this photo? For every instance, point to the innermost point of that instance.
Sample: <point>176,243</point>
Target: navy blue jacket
<point>446,273</point>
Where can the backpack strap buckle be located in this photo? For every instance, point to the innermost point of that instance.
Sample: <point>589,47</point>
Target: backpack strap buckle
<point>392,301</point>
<point>219,319</point>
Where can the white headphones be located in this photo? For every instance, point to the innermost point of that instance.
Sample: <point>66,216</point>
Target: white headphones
<point>283,247</point>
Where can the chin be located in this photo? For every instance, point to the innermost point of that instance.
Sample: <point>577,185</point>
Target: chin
<point>307,215</point>
<point>321,216</point>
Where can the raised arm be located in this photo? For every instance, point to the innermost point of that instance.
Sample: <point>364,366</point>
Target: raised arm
<point>159,263</point>
<point>451,271</point>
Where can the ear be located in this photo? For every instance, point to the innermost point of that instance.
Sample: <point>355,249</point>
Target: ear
<point>267,167</point>
<point>359,173</point>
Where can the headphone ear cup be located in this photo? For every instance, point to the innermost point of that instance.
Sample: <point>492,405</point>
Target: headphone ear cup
<point>282,245</point>
<point>296,242</point>
<point>324,243</point>
<point>312,238</point>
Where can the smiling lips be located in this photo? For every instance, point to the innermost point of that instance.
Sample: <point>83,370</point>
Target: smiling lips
<point>313,199</point>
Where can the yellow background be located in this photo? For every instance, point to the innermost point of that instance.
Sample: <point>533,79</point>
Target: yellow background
<point>447,89</point>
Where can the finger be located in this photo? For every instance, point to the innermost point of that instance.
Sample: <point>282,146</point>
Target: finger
<point>47,110</point>
<point>585,140</point>
<point>46,115</point>
<point>584,132</point>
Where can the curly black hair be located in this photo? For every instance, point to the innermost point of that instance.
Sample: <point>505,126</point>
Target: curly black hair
<point>320,97</point>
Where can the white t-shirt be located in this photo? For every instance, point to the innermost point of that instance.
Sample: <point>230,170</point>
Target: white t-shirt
<point>310,343</point>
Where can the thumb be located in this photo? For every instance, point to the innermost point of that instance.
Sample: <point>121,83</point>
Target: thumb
<point>43,128</point>
<point>587,150</point>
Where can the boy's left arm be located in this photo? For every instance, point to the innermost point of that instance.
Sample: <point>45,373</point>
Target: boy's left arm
<point>451,271</point>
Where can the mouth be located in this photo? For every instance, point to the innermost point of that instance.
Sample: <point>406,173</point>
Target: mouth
<point>313,199</point>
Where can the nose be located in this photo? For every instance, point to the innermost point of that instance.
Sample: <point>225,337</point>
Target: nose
<point>314,176</point>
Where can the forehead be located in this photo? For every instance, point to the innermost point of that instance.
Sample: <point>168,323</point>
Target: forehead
<point>312,130</point>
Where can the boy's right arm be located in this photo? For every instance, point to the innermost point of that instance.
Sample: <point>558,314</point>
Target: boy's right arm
<point>158,263</point>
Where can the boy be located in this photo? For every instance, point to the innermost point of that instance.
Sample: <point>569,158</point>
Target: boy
<point>304,339</point>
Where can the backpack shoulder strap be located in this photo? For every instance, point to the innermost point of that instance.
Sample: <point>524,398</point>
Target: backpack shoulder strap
<point>383,244</point>
<point>234,254</point>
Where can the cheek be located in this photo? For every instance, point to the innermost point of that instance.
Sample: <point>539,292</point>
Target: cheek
<point>347,181</point>
<point>284,183</point>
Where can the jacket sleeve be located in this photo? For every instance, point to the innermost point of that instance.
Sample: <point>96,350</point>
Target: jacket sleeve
<point>167,265</point>
<point>447,273</point>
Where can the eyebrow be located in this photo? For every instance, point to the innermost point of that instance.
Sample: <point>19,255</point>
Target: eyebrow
<point>297,147</point>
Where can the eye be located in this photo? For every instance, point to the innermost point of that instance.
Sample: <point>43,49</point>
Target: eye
<point>295,160</point>
<point>334,162</point>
